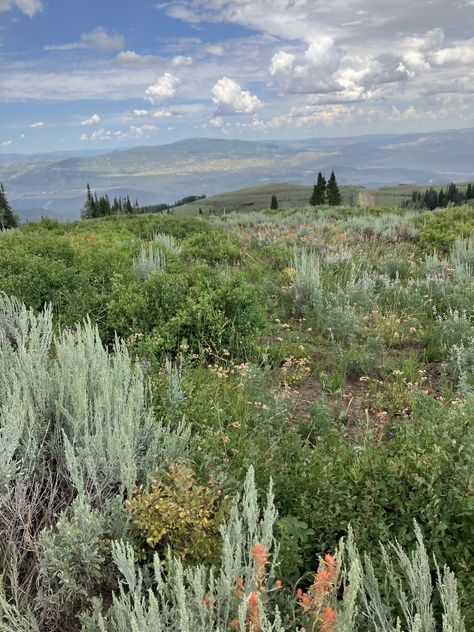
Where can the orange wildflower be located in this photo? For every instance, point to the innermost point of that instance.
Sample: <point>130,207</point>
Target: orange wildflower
<point>259,554</point>
<point>235,623</point>
<point>253,612</point>
<point>278,583</point>
<point>328,620</point>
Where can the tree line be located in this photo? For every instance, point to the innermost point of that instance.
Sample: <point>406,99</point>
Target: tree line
<point>101,206</point>
<point>433,198</point>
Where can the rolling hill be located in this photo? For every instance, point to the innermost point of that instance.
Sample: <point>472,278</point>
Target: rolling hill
<point>54,185</point>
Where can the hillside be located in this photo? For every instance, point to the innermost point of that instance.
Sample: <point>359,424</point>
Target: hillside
<point>329,350</point>
<point>55,186</point>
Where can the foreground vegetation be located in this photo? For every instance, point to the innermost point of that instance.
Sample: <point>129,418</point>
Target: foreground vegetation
<point>285,398</point>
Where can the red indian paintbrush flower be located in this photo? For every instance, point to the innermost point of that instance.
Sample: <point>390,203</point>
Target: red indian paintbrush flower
<point>253,612</point>
<point>260,555</point>
<point>328,620</point>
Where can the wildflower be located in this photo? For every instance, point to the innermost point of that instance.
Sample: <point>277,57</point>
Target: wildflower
<point>253,612</point>
<point>278,584</point>
<point>208,601</point>
<point>328,620</point>
<point>259,554</point>
<point>330,561</point>
<point>235,623</point>
<point>240,581</point>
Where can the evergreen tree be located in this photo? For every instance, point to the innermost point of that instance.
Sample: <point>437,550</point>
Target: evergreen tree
<point>319,191</point>
<point>274,203</point>
<point>469,192</point>
<point>7,218</point>
<point>441,199</point>
<point>86,212</point>
<point>334,196</point>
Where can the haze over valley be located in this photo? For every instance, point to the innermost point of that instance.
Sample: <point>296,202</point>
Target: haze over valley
<point>54,186</point>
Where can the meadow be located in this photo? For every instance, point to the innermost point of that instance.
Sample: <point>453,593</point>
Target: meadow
<point>257,421</point>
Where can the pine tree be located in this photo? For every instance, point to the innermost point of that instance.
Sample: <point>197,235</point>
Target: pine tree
<point>441,199</point>
<point>469,192</point>
<point>7,218</point>
<point>334,196</point>
<point>319,191</point>
<point>274,203</point>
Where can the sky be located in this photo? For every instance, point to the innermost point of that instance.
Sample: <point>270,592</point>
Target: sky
<point>99,74</point>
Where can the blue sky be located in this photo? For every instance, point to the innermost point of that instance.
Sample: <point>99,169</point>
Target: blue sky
<point>101,74</point>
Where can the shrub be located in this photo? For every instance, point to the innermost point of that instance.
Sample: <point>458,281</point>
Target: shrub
<point>177,512</point>
<point>167,242</point>
<point>195,600</point>
<point>149,260</point>
<point>71,561</point>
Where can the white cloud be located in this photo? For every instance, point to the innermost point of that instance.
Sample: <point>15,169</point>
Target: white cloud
<point>164,88</point>
<point>321,53</point>
<point>141,112</point>
<point>6,143</point>
<point>93,120</point>
<point>456,55</point>
<point>130,58</point>
<point>282,62</point>
<point>310,73</point>
<point>133,132</point>
<point>28,7</point>
<point>217,122</point>
<point>181,60</point>
<point>231,99</point>
<point>214,49</point>
<point>162,114</point>
<point>98,39</point>
<point>37,124</point>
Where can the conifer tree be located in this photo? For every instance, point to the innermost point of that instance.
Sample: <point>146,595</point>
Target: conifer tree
<point>319,191</point>
<point>7,218</point>
<point>274,203</point>
<point>469,192</point>
<point>333,193</point>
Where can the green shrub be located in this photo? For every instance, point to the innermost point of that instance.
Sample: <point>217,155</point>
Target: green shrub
<point>213,248</point>
<point>72,560</point>
<point>177,512</point>
<point>438,230</point>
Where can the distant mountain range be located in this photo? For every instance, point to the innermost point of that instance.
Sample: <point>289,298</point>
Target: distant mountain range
<point>55,184</point>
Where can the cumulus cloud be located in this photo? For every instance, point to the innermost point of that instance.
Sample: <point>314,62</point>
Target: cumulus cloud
<point>164,88</point>
<point>393,50</point>
<point>159,114</point>
<point>130,58</point>
<point>282,63</point>
<point>37,124</point>
<point>98,39</point>
<point>28,7</point>
<point>311,72</point>
<point>181,60</point>
<point>132,133</point>
<point>455,55</point>
<point>141,112</point>
<point>92,120</point>
<point>231,99</point>
<point>6,143</point>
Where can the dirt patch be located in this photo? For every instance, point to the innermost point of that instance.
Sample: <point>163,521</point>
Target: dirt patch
<point>349,406</point>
